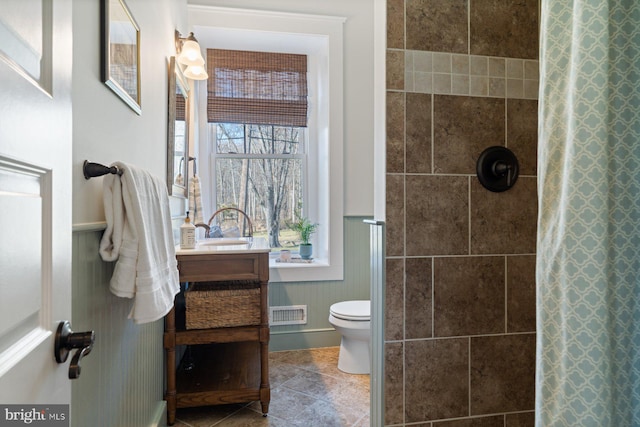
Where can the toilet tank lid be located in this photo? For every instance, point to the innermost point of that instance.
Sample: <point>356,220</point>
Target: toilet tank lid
<point>352,309</point>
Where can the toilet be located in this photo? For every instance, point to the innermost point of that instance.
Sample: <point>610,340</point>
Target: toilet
<point>352,319</point>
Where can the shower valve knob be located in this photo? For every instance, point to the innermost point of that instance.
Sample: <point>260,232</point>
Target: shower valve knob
<point>497,169</point>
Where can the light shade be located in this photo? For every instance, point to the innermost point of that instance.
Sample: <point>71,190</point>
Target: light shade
<point>196,72</point>
<point>190,54</point>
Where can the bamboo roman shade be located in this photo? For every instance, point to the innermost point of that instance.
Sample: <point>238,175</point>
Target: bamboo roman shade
<point>257,88</point>
<point>180,107</point>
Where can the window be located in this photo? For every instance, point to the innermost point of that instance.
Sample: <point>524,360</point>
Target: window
<point>313,153</point>
<point>257,115</point>
<point>261,170</point>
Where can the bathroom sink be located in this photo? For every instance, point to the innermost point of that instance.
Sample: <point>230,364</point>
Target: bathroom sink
<point>226,245</point>
<point>222,242</point>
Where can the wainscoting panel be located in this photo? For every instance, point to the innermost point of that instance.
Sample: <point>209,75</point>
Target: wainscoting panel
<point>121,383</point>
<point>122,380</point>
<point>319,296</point>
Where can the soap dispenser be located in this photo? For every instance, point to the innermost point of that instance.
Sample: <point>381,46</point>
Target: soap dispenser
<point>187,234</point>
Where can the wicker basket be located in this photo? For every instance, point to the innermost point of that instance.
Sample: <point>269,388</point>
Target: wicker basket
<point>222,305</point>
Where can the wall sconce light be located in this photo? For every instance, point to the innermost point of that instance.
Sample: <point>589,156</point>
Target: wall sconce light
<point>189,55</point>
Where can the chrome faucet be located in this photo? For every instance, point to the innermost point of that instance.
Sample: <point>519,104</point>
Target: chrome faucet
<point>207,229</point>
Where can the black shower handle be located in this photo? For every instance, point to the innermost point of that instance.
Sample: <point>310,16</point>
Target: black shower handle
<point>497,168</point>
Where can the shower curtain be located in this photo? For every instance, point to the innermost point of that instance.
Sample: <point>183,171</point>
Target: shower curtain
<point>588,249</point>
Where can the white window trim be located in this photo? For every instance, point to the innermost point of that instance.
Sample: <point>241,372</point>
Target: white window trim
<point>321,39</point>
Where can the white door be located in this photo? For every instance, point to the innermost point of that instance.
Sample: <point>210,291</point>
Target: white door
<point>35,198</point>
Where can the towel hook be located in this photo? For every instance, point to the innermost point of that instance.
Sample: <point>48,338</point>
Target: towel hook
<point>195,165</point>
<point>92,170</point>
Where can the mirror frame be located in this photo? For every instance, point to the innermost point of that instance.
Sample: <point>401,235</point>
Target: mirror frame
<point>115,66</point>
<point>177,81</point>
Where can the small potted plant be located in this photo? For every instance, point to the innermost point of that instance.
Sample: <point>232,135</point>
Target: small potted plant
<point>306,229</point>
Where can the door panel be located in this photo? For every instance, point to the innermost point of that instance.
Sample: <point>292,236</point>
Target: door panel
<point>25,39</point>
<point>22,308</point>
<point>35,195</point>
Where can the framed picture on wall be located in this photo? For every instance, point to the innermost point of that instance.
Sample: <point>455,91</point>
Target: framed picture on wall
<point>120,52</point>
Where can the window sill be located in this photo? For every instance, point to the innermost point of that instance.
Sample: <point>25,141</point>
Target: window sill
<point>319,270</point>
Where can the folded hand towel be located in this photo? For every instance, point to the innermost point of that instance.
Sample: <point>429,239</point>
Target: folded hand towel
<point>140,238</point>
<point>195,200</point>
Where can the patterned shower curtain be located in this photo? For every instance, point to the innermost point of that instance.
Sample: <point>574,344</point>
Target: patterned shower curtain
<point>588,264</point>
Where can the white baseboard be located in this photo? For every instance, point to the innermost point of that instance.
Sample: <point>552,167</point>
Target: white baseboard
<point>160,415</point>
<point>301,340</point>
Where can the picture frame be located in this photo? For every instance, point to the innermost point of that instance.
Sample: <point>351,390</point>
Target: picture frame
<point>120,52</point>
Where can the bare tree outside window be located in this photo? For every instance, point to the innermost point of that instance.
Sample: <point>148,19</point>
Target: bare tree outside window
<point>259,169</point>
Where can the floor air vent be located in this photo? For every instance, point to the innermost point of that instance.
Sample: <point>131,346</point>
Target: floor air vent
<point>288,315</point>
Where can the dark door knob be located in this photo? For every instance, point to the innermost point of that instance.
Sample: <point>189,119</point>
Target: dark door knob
<point>67,340</point>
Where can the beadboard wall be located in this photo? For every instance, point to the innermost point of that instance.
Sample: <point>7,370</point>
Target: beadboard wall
<point>122,380</point>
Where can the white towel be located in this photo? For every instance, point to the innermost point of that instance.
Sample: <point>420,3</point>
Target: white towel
<point>195,201</point>
<point>140,238</point>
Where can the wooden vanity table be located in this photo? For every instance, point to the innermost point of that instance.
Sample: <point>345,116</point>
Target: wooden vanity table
<point>226,364</point>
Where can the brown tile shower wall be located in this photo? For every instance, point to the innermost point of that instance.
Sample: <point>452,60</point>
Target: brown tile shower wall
<point>460,269</point>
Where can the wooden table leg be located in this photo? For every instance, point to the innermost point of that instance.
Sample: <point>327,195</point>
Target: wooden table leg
<point>170,346</point>
<point>265,387</point>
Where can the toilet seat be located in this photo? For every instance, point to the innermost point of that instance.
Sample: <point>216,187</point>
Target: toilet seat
<point>352,310</point>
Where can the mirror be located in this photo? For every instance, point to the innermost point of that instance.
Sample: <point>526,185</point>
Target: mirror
<point>177,131</point>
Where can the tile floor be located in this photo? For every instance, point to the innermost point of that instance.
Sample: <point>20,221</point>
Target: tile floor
<point>307,390</point>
